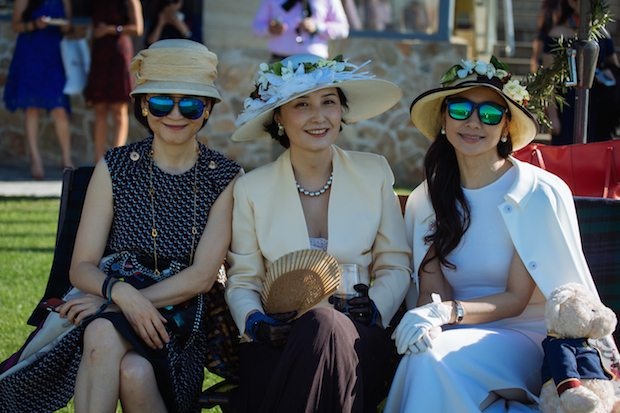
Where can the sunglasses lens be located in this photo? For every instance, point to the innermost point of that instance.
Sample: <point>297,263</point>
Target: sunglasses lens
<point>490,114</point>
<point>191,108</point>
<point>460,110</point>
<point>160,105</point>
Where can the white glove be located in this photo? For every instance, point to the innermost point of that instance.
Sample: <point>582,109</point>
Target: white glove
<point>412,331</point>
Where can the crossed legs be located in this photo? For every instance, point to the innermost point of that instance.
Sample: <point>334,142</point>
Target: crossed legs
<point>110,370</point>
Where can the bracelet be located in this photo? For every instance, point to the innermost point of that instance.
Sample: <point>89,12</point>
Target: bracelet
<point>104,286</point>
<point>109,289</point>
<point>460,312</point>
<point>119,29</point>
<point>108,292</point>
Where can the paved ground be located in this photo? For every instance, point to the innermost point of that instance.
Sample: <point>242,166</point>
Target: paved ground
<point>16,181</point>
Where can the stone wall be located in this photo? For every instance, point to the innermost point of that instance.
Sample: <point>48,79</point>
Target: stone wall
<point>415,66</point>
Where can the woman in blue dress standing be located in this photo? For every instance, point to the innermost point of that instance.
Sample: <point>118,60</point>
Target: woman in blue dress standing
<point>36,76</point>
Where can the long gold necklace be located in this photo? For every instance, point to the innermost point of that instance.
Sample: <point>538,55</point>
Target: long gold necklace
<point>154,232</point>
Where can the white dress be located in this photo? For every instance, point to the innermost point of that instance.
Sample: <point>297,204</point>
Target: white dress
<point>486,367</point>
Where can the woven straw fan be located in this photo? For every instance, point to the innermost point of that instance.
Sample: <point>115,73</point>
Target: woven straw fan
<point>299,280</point>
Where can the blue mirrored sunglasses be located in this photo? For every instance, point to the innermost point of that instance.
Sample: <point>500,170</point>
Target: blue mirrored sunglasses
<point>190,107</point>
<point>489,113</point>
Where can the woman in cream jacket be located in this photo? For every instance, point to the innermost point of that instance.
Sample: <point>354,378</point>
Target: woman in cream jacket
<point>316,195</point>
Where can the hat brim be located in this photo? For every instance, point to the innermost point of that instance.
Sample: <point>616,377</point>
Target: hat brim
<point>426,113</point>
<point>365,98</point>
<point>177,88</point>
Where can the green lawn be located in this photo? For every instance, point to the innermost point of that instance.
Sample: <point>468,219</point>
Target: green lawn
<point>27,237</point>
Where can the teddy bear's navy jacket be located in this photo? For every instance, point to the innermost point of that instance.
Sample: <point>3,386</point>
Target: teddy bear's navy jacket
<point>571,358</point>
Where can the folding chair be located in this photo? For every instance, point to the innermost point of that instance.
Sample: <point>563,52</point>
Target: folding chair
<point>74,185</point>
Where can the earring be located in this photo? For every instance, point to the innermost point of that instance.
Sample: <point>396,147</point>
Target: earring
<point>442,131</point>
<point>280,130</point>
<point>145,112</point>
<point>504,139</point>
<point>207,114</point>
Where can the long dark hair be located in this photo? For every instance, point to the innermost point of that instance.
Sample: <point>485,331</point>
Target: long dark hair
<point>452,212</point>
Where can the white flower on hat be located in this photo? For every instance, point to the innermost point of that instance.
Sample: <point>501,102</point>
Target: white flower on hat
<point>516,91</point>
<point>485,69</point>
<point>467,67</point>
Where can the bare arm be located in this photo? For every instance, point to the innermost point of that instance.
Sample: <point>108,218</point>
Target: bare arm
<point>509,303</point>
<point>19,25</point>
<point>134,27</point>
<point>432,281</point>
<point>136,21</point>
<point>93,232</point>
<point>67,28</point>
<point>168,16</point>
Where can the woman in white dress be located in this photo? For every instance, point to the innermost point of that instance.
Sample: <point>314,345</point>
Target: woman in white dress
<point>491,238</point>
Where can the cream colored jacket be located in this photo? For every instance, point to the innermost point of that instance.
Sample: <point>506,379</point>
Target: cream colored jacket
<point>365,227</point>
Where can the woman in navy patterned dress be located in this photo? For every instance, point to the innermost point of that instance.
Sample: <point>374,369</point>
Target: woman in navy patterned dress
<point>153,236</point>
<point>161,206</point>
<point>36,76</point>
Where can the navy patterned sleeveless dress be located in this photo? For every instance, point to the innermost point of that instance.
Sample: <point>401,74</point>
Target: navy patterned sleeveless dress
<point>179,366</point>
<point>47,383</point>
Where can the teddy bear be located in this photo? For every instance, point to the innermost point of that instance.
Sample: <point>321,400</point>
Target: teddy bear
<point>573,375</point>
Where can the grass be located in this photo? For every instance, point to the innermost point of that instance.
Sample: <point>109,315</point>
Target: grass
<point>27,238</point>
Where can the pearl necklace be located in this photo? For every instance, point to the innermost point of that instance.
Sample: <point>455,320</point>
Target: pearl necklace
<point>320,192</point>
<point>154,232</point>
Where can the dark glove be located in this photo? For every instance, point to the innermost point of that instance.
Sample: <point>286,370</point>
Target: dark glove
<point>273,330</point>
<point>361,308</point>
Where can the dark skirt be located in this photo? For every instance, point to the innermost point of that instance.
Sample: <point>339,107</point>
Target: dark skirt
<point>329,364</point>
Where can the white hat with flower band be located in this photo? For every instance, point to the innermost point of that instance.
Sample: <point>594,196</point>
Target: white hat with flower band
<point>281,82</point>
<point>426,109</point>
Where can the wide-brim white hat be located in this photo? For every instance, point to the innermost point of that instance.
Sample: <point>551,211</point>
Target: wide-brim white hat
<point>303,74</point>
<point>426,110</point>
<point>176,67</point>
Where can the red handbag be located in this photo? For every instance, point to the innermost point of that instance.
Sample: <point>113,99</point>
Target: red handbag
<point>589,169</point>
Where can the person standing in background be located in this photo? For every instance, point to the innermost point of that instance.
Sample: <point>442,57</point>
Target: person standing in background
<point>166,21</point>
<point>300,26</point>
<point>350,9</point>
<point>109,82</point>
<point>602,109</point>
<point>36,76</point>
<point>547,15</point>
